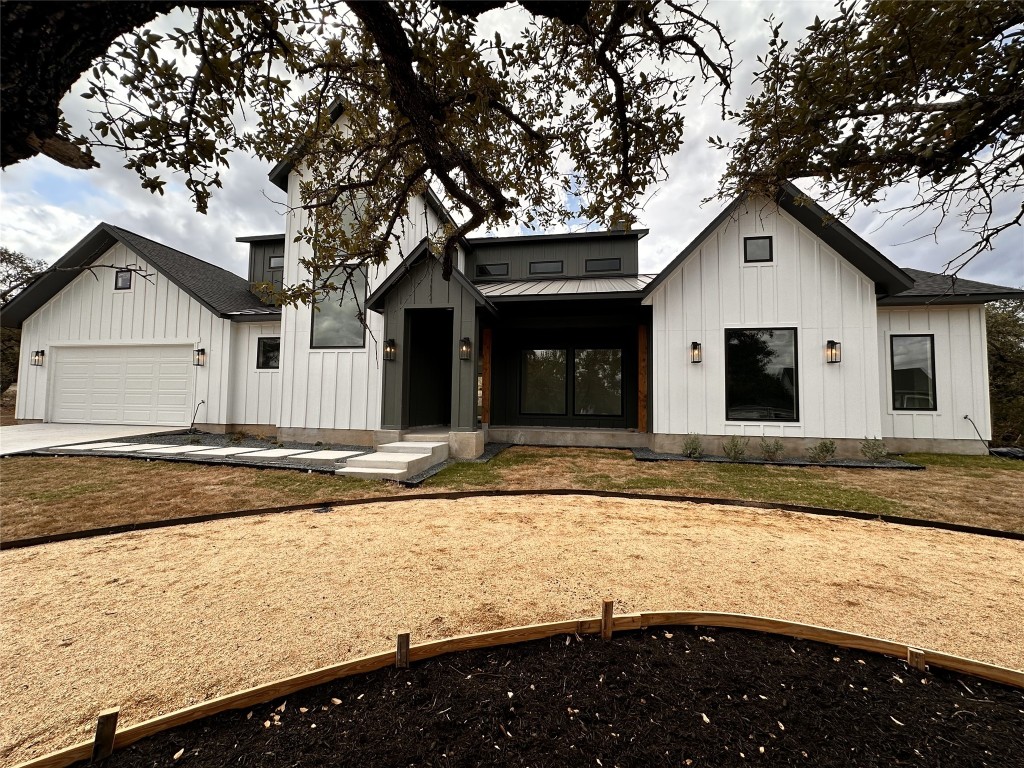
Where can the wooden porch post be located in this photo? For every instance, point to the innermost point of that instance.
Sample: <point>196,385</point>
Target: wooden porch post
<point>485,386</point>
<point>641,384</point>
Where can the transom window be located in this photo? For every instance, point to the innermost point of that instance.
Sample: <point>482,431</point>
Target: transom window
<point>268,352</point>
<point>492,270</point>
<point>337,318</point>
<point>761,375</point>
<point>122,280</point>
<point>545,267</point>
<point>604,265</point>
<point>757,250</point>
<point>913,372</point>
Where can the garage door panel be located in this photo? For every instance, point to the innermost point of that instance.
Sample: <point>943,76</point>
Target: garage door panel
<point>123,384</point>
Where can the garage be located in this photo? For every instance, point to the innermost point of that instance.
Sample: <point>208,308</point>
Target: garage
<point>122,384</point>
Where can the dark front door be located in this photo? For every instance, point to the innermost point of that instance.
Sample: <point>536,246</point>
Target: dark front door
<point>429,365</point>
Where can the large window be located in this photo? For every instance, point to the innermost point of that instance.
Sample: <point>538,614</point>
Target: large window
<point>336,318</point>
<point>598,382</point>
<point>544,378</point>
<point>761,375</point>
<point>913,373</point>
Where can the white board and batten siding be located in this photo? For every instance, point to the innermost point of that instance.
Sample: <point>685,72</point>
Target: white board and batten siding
<point>255,396</point>
<point>807,286</point>
<point>961,372</point>
<point>116,340</point>
<point>335,388</point>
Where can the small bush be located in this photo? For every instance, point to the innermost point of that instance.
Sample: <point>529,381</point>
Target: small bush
<point>692,448</point>
<point>771,450</point>
<point>735,448</point>
<point>822,452</point>
<point>873,450</point>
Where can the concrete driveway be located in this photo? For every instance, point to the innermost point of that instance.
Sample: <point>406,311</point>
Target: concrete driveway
<point>35,437</point>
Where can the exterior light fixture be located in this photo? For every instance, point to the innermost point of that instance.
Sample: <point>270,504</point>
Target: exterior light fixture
<point>199,357</point>
<point>465,349</point>
<point>696,355</point>
<point>38,357</point>
<point>390,350</point>
<point>833,351</point>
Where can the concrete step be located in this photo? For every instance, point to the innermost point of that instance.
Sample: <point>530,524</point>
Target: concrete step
<point>370,473</point>
<point>440,436</point>
<point>409,462</point>
<point>411,447</point>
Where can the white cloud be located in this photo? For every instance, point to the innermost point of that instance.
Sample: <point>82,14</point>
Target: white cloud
<point>45,209</point>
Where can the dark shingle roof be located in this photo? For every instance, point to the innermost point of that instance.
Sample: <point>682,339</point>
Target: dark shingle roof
<point>934,288</point>
<point>223,293</point>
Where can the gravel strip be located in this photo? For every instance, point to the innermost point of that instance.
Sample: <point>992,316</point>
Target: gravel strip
<point>646,454</point>
<point>153,621</point>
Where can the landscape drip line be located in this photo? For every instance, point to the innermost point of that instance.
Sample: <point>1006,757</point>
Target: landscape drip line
<point>325,506</point>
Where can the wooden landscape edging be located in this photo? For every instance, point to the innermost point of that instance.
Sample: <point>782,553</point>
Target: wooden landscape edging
<point>916,657</point>
<point>485,493</point>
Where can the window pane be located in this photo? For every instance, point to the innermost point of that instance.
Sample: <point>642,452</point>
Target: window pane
<point>757,249</point>
<point>544,381</point>
<point>761,375</point>
<point>491,270</point>
<point>913,374</point>
<point>268,352</point>
<point>336,319</point>
<point>545,267</point>
<point>276,262</point>
<point>604,265</point>
<point>122,280</point>
<point>598,382</point>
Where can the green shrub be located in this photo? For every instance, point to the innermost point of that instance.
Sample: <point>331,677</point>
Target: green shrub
<point>873,449</point>
<point>822,452</point>
<point>735,448</point>
<point>692,448</point>
<point>771,450</point>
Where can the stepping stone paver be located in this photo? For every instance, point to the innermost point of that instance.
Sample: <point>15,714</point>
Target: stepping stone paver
<point>330,455</point>
<point>136,447</point>
<point>229,451</point>
<point>275,453</point>
<point>88,446</point>
<point>176,449</point>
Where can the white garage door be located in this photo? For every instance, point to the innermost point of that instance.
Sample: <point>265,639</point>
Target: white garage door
<point>123,385</point>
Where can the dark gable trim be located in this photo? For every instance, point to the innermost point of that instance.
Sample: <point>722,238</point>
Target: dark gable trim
<point>279,173</point>
<point>260,238</point>
<point>375,301</point>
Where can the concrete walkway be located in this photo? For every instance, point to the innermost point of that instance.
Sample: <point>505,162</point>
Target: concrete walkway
<point>37,437</point>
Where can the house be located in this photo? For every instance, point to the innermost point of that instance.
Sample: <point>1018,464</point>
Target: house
<point>774,321</point>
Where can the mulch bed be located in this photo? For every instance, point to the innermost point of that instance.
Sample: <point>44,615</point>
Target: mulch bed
<point>677,697</point>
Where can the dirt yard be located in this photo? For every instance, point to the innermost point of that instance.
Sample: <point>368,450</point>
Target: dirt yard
<point>156,620</point>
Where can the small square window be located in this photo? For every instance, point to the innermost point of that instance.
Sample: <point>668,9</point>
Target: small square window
<point>268,353</point>
<point>757,250</point>
<point>122,280</point>
<point>545,267</point>
<point>276,262</point>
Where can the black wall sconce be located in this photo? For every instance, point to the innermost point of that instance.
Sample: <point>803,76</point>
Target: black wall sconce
<point>390,350</point>
<point>38,357</point>
<point>199,357</point>
<point>465,348</point>
<point>696,355</point>
<point>833,351</point>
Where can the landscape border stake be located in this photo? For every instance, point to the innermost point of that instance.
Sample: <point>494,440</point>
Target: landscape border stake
<point>915,659</point>
<point>106,727</point>
<point>402,651</point>
<point>607,609</point>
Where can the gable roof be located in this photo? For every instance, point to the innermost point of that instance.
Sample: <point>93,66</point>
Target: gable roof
<point>934,288</point>
<point>889,279</point>
<point>375,300</point>
<point>220,291</point>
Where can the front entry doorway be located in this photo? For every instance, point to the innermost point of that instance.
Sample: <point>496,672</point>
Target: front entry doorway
<point>430,348</point>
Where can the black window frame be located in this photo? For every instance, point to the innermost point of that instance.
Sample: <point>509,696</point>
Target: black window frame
<point>118,273</point>
<point>559,271</point>
<point>480,267</point>
<point>259,345</point>
<point>796,376</point>
<point>622,389</point>
<point>312,319</point>
<point>270,261</point>
<point>616,268</point>
<point>892,372</point>
<point>522,382</point>
<point>771,252</point>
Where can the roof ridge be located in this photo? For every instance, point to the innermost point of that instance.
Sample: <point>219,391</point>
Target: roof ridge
<point>122,230</point>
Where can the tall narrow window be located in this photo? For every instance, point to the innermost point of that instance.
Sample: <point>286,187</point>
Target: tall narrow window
<point>757,250</point>
<point>913,372</point>
<point>544,377</point>
<point>268,353</point>
<point>761,375</point>
<point>337,317</point>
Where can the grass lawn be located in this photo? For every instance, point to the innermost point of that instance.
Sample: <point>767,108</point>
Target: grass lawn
<point>41,495</point>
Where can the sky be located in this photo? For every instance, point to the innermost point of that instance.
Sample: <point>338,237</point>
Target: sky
<point>46,208</point>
